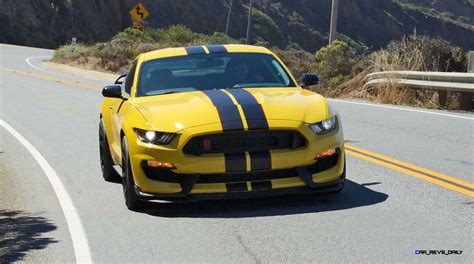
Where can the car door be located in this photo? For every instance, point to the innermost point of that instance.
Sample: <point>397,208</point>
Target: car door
<point>116,108</point>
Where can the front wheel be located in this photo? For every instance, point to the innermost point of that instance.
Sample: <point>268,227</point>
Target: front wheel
<point>106,164</point>
<point>132,201</point>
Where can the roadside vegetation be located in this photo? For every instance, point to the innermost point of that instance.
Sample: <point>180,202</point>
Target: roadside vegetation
<point>341,65</point>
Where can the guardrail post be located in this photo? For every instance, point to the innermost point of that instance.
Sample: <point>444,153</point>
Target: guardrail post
<point>442,96</point>
<point>470,62</point>
<point>465,102</point>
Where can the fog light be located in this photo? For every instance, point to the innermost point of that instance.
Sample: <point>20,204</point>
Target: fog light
<point>159,164</point>
<point>327,153</point>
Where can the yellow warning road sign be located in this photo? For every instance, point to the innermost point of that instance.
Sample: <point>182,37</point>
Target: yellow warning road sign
<point>139,13</point>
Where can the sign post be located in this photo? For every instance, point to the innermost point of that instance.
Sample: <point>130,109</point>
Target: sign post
<point>333,27</point>
<point>73,44</point>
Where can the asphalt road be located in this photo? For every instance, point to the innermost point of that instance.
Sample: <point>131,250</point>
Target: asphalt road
<point>385,213</point>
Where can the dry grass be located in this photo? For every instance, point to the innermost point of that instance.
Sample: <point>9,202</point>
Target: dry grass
<point>415,53</point>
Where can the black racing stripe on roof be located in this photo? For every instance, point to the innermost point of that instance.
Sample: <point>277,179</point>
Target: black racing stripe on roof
<point>216,49</point>
<point>191,50</point>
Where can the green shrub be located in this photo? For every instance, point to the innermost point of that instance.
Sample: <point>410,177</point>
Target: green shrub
<point>133,35</point>
<point>298,61</point>
<point>66,53</point>
<point>178,34</point>
<point>266,28</point>
<point>117,53</point>
<point>216,38</point>
<point>458,60</point>
<point>334,63</point>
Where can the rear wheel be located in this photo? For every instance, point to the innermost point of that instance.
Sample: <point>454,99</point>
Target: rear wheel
<point>132,201</point>
<point>106,163</point>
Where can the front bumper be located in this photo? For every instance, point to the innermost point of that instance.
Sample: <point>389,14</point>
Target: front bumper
<point>213,164</point>
<point>195,187</point>
<point>317,188</point>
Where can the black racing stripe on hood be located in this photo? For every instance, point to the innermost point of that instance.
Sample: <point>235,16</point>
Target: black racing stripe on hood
<point>228,112</point>
<point>253,111</point>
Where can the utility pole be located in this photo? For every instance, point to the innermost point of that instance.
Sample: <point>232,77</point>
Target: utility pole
<point>228,19</point>
<point>249,23</point>
<point>333,29</point>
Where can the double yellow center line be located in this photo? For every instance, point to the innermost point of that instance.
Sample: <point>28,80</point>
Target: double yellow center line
<point>397,165</point>
<point>26,73</point>
<point>413,170</point>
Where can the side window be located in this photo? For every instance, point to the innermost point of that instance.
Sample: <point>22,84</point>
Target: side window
<point>130,77</point>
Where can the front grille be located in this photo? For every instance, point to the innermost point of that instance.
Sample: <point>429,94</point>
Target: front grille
<point>245,141</point>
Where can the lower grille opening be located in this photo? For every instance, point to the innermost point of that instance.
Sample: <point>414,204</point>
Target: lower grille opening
<point>166,175</point>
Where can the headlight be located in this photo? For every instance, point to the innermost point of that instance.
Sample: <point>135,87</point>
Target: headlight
<point>324,127</point>
<point>153,137</point>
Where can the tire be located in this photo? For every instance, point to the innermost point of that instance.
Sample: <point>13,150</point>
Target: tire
<point>132,201</point>
<point>106,164</point>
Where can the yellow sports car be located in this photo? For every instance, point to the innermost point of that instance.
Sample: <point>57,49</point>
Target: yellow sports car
<point>216,122</point>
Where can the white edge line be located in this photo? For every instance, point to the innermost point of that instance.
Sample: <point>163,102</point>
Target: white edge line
<point>76,230</point>
<point>38,68</point>
<point>399,108</point>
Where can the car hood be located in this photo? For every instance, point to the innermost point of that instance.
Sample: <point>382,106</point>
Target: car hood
<point>175,112</point>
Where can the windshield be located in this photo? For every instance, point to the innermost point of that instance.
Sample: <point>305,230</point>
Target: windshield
<point>211,71</point>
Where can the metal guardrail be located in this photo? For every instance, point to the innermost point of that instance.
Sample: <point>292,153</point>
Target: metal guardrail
<point>440,81</point>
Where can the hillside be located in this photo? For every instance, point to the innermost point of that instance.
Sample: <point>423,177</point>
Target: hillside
<point>283,23</point>
<point>306,22</point>
<point>50,23</point>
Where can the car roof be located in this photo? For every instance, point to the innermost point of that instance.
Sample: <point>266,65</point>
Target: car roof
<point>185,51</point>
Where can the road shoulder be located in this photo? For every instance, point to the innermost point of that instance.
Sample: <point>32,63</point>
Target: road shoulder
<point>32,224</point>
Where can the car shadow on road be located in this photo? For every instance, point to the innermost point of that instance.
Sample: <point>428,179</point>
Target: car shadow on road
<point>354,195</point>
<point>21,233</point>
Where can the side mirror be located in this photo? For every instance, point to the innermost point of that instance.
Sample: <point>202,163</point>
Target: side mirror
<point>308,79</point>
<point>119,79</point>
<point>114,91</point>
